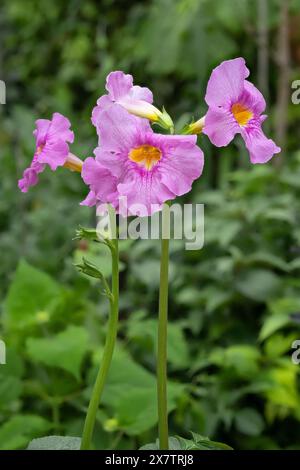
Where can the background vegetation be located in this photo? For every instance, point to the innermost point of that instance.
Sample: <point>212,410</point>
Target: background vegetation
<point>233,305</point>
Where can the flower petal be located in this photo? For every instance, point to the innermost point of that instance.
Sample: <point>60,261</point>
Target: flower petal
<point>252,99</point>
<point>30,176</point>
<point>101,182</point>
<point>181,164</point>
<point>118,84</point>
<point>103,104</point>
<point>114,162</point>
<point>145,193</point>
<point>40,133</point>
<point>226,82</point>
<point>54,154</point>
<point>261,149</point>
<point>141,93</point>
<point>59,129</point>
<point>51,147</point>
<point>119,130</point>
<point>90,200</point>
<point>220,126</point>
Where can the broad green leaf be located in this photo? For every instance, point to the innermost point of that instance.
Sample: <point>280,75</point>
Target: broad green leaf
<point>31,292</point>
<point>272,324</point>
<point>174,444</point>
<point>268,259</point>
<point>249,421</point>
<point>258,284</point>
<point>10,390</point>
<point>229,232</point>
<point>197,443</point>
<point>147,272</point>
<point>243,358</point>
<point>188,295</point>
<point>178,355</point>
<point>55,443</point>
<point>280,317</point>
<point>131,393</point>
<point>282,390</point>
<point>206,442</point>
<point>151,446</point>
<point>64,351</point>
<point>15,433</point>
<point>278,344</point>
<point>11,384</point>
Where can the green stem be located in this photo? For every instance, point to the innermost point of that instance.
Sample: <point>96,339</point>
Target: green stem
<point>162,335</point>
<point>107,353</point>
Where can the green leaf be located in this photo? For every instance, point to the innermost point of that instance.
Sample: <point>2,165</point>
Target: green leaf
<point>272,324</point>
<point>65,350</point>
<point>15,433</point>
<point>244,359</point>
<point>248,421</point>
<point>98,255</point>
<point>282,390</point>
<point>131,393</point>
<point>146,271</point>
<point>83,233</point>
<point>55,443</point>
<point>197,442</point>
<point>178,354</point>
<point>205,442</point>
<point>258,284</point>
<point>151,446</point>
<point>268,259</point>
<point>88,268</point>
<point>11,384</point>
<point>31,292</point>
<point>174,444</point>
<point>279,344</point>
<point>280,317</point>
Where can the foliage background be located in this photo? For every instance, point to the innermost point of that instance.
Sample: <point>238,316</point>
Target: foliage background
<point>234,305</point>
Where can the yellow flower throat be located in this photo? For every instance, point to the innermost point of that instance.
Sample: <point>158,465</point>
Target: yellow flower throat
<point>241,114</point>
<point>145,155</point>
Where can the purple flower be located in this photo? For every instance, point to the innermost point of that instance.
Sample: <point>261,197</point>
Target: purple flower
<point>51,149</point>
<point>134,162</point>
<point>135,99</point>
<point>236,106</point>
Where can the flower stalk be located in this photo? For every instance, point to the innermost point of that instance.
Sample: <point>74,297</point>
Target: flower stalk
<point>108,349</point>
<point>162,334</point>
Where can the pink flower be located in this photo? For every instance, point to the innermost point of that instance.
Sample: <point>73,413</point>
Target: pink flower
<point>51,149</point>
<point>134,162</point>
<point>236,106</point>
<point>135,99</point>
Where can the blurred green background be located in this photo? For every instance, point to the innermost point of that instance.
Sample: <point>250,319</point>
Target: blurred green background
<point>234,305</point>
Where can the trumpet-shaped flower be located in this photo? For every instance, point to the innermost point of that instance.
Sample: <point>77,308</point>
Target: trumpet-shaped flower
<point>135,163</point>
<point>135,99</point>
<point>236,106</point>
<point>51,149</point>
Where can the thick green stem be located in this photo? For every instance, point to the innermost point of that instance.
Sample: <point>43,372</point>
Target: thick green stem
<point>162,335</point>
<point>107,353</point>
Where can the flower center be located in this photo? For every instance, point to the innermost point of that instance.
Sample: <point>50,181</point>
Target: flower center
<point>241,114</point>
<point>145,155</point>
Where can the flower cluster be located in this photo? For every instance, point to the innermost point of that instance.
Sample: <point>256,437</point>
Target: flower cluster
<point>132,161</point>
<point>236,106</point>
<point>51,149</point>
